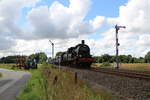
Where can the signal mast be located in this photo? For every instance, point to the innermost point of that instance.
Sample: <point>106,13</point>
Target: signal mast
<point>117,45</point>
<point>52,48</point>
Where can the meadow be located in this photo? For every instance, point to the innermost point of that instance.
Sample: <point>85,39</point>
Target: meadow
<point>130,66</point>
<point>137,66</point>
<point>48,83</point>
<point>0,75</point>
<point>7,66</point>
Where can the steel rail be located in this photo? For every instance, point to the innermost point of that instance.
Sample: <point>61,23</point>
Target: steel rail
<point>126,73</point>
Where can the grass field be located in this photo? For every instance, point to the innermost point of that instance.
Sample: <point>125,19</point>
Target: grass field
<point>131,66</point>
<point>7,66</point>
<point>139,66</point>
<point>11,67</point>
<point>44,85</point>
<point>0,75</point>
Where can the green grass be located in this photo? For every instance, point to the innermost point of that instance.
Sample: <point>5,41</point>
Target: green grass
<point>6,66</point>
<point>0,75</point>
<point>43,86</point>
<point>130,66</point>
<point>140,69</point>
<point>137,66</point>
<point>10,67</point>
<point>147,95</point>
<point>13,67</point>
<point>33,89</point>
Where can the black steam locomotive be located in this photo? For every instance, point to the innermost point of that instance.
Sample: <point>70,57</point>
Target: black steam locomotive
<point>78,56</point>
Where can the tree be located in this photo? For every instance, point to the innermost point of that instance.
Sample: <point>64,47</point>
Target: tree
<point>8,59</point>
<point>147,57</point>
<point>123,59</point>
<point>106,58</point>
<point>141,60</point>
<point>58,53</point>
<point>113,59</point>
<point>39,57</point>
<point>100,60</point>
<point>95,60</point>
<point>129,59</point>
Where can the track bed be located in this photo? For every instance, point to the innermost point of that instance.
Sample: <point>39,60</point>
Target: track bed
<point>126,87</point>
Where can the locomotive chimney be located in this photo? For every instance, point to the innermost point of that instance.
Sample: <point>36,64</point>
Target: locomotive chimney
<point>82,41</point>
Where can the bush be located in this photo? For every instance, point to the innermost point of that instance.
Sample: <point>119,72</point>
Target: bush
<point>45,64</point>
<point>0,75</point>
<point>105,64</point>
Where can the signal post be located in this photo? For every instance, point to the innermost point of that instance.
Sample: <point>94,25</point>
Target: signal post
<point>117,45</point>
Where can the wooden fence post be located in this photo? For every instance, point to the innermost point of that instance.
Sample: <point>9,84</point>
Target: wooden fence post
<point>55,80</point>
<point>76,77</point>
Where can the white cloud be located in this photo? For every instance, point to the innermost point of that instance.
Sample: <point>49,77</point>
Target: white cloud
<point>59,21</point>
<point>97,22</point>
<point>135,39</point>
<point>9,14</point>
<point>55,21</point>
<point>144,40</point>
<point>67,26</point>
<point>135,15</point>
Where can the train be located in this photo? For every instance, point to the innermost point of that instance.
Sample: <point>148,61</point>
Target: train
<point>26,62</point>
<point>77,56</point>
<point>31,63</point>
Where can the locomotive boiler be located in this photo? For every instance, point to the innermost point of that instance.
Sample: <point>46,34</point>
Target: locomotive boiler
<point>78,56</point>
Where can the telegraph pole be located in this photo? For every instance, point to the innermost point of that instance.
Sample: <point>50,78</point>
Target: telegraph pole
<point>117,45</point>
<point>52,48</point>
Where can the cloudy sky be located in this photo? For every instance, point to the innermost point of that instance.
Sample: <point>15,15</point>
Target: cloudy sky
<point>27,25</point>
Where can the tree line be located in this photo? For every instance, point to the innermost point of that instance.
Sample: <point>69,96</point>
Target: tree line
<point>40,57</point>
<point>122,58</point>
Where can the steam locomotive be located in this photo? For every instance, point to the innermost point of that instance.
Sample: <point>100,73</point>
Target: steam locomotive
<point>78,56</point>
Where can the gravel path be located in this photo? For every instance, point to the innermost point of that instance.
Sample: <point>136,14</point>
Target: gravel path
<point>11,83</point>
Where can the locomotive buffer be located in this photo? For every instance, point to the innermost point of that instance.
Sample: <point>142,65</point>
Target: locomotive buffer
<point>117,45</point>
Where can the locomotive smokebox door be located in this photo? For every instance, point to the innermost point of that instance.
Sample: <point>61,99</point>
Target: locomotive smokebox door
<point>82,41</point>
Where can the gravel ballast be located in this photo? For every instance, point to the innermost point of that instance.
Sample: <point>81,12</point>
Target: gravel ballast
<point>124,87</point>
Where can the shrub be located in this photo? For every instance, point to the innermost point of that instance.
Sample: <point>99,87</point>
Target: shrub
<point>0,75</point>
<point>105,64</point>
<point>45,64</point>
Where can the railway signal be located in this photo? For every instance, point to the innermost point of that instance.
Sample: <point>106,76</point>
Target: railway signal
<point>52,48</point>
<point>117,45</point>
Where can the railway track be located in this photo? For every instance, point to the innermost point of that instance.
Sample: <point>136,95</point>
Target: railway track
<point>141,75</point>
<point>127,73</point>
<point>124,83</point>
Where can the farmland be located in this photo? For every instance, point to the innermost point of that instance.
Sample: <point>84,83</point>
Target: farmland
<point>138,66</point>
<point>130,66</point>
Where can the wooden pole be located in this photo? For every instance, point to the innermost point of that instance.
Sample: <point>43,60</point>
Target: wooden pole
<point>76,77</point>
